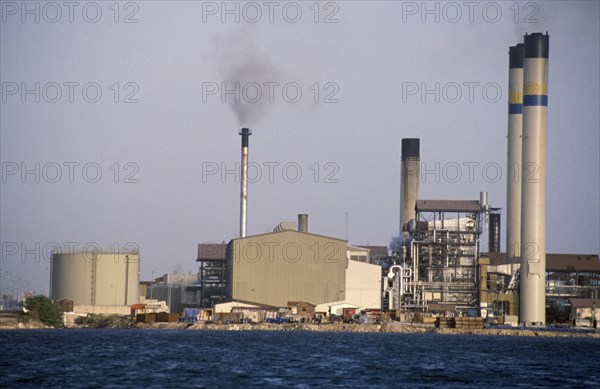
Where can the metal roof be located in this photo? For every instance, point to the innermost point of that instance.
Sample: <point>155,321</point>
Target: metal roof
<point>377,250</point>
<point>308,234</point>
<point>212,251</point>
<point>448,206</point>
<point>557,262</point>
<point>584,303</point>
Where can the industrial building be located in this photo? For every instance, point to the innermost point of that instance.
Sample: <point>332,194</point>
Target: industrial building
<point>436,267</point>
<point>279,267</point>
<point>177,290</point>
<point>285,266</point>
<point>96,281</point>
<point>211,273</point>
<point>569,276</point>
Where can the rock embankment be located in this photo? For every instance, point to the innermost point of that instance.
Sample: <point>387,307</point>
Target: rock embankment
<point>387,327</point>
<point>18,325</point>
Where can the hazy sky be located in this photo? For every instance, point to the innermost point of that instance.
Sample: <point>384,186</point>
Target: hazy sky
<point>117,121</point>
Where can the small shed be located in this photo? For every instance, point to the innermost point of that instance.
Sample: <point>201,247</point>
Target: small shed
<point>586,309</point>
<point>301,308</point>
<point>65,305</point>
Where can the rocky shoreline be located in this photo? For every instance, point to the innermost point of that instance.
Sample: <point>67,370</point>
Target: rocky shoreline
<point>386,327</point>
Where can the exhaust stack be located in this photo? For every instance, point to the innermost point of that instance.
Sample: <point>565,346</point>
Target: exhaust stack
<point>515,143</point>
<point>494,233</point>
<point>533,173</point>
<point>409,187</point>
<point>303,222</point>
<point>245,133</point>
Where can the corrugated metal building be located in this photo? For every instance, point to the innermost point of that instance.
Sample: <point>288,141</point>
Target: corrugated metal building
<point>284,266</point>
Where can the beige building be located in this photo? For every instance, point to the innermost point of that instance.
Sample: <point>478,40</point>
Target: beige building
<point>363,289</point>
<point>359,254</point>
<point>363,285</point>
<point>275,268</point>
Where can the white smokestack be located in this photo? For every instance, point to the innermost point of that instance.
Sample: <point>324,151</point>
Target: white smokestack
<point>515,147</point>
<point>245,133</point>
<point>533,196</point>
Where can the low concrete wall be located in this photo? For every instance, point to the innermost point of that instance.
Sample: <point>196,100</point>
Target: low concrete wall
<point>103,309</point>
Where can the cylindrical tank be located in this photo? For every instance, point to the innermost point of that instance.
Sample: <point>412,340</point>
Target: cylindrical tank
<point>96,277</point>
<point>533,173</point>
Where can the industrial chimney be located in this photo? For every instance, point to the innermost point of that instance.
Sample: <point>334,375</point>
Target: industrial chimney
<point>494,233</point>
<point>303,222</point>
<point>533,173</point>
<point>409,187</point>
<point>515,143</point>
<point>245,133</point>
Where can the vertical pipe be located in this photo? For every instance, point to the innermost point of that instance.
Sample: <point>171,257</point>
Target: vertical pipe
<point>303,222</point>
<point>126,302</point>
<point>515,141</point>
<point>409,190</point>
<point>533,196</point>
<point>483,200</point>
<point>50,284</point>
<point>245,133</point>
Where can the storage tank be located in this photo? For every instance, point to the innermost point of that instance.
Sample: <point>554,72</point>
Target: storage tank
<point>96,278</point>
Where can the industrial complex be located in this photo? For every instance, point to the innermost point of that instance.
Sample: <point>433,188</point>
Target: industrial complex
<point>437,268</point>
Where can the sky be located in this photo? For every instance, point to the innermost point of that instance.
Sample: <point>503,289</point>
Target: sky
<point>119,121</point>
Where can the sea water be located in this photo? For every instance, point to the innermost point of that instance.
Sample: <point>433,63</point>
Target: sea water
<point>214,359</point>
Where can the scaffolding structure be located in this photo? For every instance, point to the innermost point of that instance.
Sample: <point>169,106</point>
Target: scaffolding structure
<point>211,274</point>
<point>442,253</point>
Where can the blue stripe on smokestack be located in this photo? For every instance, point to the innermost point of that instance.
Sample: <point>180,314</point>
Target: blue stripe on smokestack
<point>515,109</point>
<point>535,100</point>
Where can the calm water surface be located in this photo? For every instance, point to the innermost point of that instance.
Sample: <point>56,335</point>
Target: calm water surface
<point>203,359</point>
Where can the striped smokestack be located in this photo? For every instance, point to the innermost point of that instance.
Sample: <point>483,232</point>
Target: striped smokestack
<point>245,133</point>
<point>533,194</point>
<point>515,142</point>
<point>409,190</point>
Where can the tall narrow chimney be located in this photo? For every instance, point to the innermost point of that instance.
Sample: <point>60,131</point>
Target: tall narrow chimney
<point>245,133</point>
<point>533,173</point>
<point>494,233</point>
<point>409,188</point>
<point>515,147</point>
<point>303,222</point>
